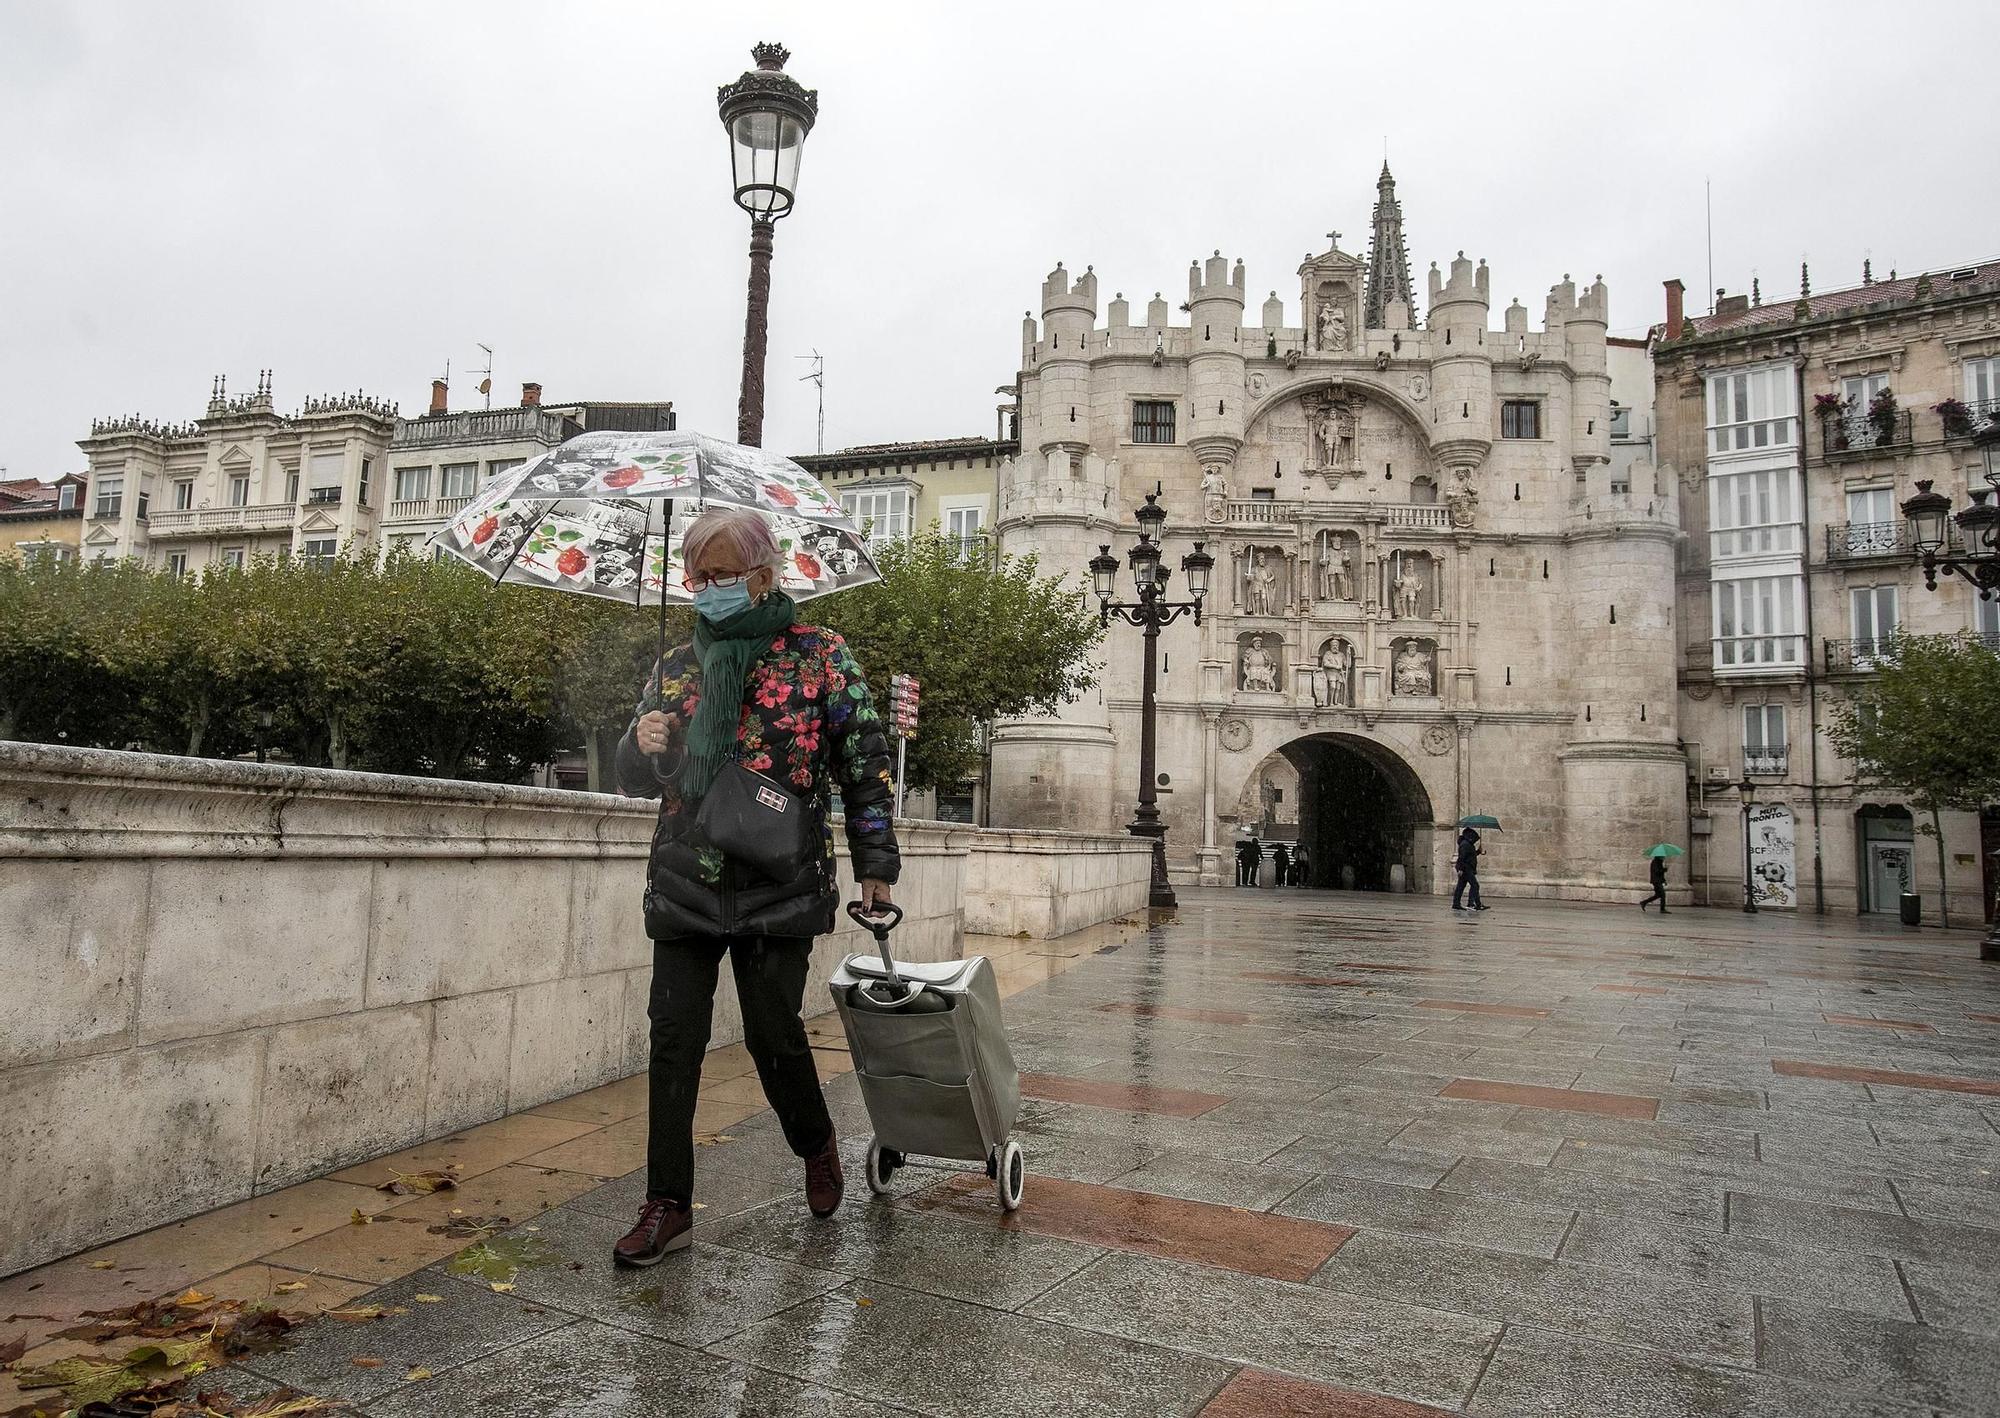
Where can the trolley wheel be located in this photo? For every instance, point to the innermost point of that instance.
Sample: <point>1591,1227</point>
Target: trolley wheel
<point>1012,1173</point>
<point>882,1164</point>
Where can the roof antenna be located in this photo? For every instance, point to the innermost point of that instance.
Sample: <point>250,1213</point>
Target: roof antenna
<point>818,377</point>
<point>486,375</point>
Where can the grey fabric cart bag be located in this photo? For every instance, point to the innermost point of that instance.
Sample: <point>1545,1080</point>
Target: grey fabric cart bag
<point>931,1053</point>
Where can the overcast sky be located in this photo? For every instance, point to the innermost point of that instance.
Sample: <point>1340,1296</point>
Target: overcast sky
<point>353,193</point>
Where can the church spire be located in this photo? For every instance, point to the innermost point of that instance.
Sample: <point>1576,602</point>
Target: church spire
<point>1388,261</point>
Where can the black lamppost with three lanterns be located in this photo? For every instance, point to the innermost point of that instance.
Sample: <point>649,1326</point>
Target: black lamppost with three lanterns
<point>1151,613</point>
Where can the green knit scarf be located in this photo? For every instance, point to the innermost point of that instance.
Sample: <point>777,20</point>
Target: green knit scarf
<point>727,652</point>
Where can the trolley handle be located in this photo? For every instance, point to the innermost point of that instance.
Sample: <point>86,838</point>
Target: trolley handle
<point>880,926</point>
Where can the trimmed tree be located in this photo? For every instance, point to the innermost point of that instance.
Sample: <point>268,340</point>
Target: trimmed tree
<point>985,639</point>
<point>1922,725</point>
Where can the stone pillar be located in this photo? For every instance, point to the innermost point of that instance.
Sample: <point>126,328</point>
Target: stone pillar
<point>1209,855</point>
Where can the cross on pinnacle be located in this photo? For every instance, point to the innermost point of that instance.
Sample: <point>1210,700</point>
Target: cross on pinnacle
<point>1334,237</point>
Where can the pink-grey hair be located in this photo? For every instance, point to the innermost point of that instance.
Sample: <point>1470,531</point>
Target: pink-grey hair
<point>739,531</point>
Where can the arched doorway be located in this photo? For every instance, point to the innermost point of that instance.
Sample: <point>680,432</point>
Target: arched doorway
<point>1361,813</point>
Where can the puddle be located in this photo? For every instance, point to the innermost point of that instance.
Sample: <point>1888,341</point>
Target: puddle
<point>500,1258</point>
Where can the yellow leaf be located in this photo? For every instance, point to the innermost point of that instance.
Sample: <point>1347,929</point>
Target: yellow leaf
<point>359,1218</point>
<point>191,1297</point>
<point>697,1206</point>
<point>863,1301</point>
<point>502,1287</point>
<point>427,1299</point>
<point>418,1373</point>
<point>365,1363</point>
<point>103,1264</point>
<point>291,1287</point>
<point>362,1314</point>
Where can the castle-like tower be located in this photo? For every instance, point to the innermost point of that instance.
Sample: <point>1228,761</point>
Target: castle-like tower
<point>1431,596</point>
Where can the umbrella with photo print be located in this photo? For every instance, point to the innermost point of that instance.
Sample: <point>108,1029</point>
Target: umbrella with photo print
<point>603,515</point>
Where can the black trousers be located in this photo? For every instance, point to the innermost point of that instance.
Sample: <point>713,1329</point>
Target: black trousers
<point>1659,895</point>
<point>1465,879</point>
<point>770,984</point>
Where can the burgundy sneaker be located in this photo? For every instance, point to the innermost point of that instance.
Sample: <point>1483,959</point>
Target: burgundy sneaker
<point>824,1186</point>
<point>663,1226</point>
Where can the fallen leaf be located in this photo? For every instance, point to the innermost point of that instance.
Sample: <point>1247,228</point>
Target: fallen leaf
<point>104,1265</point>
<point>418,1373</point>
<point>863,1301</point>
<point>458,1211</point>
<point>427,1299</point>
<point>363,1314</point>
<point>359,1218</point>
<point>291,1287</point>
<point>365,1363</point>
<point>502,1287</point>
<point>191,1297</point>
<point>709,1139</point>
<point>418,1183</point>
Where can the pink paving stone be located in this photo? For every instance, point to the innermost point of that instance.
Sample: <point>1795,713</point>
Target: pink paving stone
<point>1630,989</point>
<point>1252,1393</point>
<point>1701,979</point>
<point>1863,1021</point>
<point>1839,1073</point>
<point>1130,1097</point>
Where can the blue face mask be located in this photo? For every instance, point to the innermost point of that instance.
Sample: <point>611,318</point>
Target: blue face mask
<point>719,603</point>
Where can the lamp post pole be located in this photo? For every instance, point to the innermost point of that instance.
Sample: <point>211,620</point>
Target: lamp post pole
<point>767,115</point>
<point>1151,612</point>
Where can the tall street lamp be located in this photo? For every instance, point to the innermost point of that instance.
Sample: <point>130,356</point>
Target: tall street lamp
<point>1749,790</point>
<point>1150,612</point>
<point>767,114</point>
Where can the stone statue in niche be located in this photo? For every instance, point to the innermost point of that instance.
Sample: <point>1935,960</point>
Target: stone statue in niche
<point>1409,590</point>
<point>1335,571</point>
<point>1335,660</point>
<point>1334,424</point>
<point>1260,671</point>
<point>1332,328</point>
<point>1263,585</point>
<point>1412,672</point>
<point>1463,499</point>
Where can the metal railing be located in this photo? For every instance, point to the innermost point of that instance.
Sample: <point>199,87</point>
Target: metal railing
<point>1859,655</point>
<point>1971,417</point>
<point>1847,540</point>
<point>1258,511</point>
<point>1764,762</point>
<point>195,521</point>
<point>1851,434</point>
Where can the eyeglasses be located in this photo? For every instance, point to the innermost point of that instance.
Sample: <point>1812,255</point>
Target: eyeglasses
<point>695,580</point>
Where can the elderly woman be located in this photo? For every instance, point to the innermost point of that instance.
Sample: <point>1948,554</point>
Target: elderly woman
<point>787,701</point>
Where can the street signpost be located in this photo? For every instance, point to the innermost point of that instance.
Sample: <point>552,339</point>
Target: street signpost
<point>904,694</point>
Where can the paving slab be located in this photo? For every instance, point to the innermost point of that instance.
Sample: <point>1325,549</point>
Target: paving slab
<point>1918,1363</point>
<point>1380,1206</point>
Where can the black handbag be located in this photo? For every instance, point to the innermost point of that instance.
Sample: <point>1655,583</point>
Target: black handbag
<point>758,822</point>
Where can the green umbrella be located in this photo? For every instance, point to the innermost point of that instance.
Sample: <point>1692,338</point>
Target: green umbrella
<point>1664,849</point>
<point>1480,819</point>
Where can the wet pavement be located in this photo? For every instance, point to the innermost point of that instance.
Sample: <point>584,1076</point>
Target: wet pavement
<point>1301,1154</point>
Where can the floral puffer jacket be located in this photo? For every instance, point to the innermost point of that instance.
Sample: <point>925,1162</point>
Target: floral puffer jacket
<point>807,719</point>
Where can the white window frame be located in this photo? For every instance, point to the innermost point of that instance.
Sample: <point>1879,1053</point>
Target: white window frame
<point>1868,607</point>
<point>413,484</point>
<point>890,522</point>
<point>458,479</point>
<point>1874,499</point>
<point>66,498</point>
<point>1982,381</point>
<point>110,497</point>
<point>318,551</point>
<point>239,489</point>
<point>1859,390</point>
<point>233,556</point>
<point>1751,410</point>
<point>177,564</point>
<point>496,467</point>
<point>183,494</point>
<point>1764,742</point>
<point>1756,620</point>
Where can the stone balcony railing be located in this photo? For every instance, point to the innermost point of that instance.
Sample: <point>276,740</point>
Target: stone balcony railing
<point>425,509</point>
<point>1268,512</point>
<point>210,521</point>
<point>482,426</point>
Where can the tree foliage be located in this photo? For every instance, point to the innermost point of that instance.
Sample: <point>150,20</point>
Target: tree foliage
<point>423,667</point>
<point>1922,724</point>
<point>986,640</point>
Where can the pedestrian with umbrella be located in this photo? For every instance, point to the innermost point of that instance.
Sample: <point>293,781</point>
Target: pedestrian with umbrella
<point>742,734</point>
<point>1659,853</point>
<point>1469,853</point>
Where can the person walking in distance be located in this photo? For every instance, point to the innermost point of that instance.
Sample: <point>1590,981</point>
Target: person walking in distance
<point>756,691</point>
<point>1249,861</point>
<point>1659,874</point>
<point>1468,870</point>
<point>1299,864</point>
<point>1281,864</point>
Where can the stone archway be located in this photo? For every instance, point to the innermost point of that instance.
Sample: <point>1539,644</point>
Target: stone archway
<point>1361,812</point>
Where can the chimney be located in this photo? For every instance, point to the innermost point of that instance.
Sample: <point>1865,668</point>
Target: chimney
<point>1675,318</point>
<point>531,396</point>
<point>440,397</point>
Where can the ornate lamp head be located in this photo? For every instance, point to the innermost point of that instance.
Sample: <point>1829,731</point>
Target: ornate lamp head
<point>767,114</point>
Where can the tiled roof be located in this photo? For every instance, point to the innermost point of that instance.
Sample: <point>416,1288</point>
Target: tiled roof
<point>1901,291</point>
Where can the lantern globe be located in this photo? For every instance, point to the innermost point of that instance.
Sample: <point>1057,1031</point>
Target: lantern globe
<point>1926,513</point>
<point>767,115</point>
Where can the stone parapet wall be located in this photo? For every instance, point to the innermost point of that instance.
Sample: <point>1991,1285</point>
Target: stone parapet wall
<point>1047,884</point>
<point>223,978</point>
